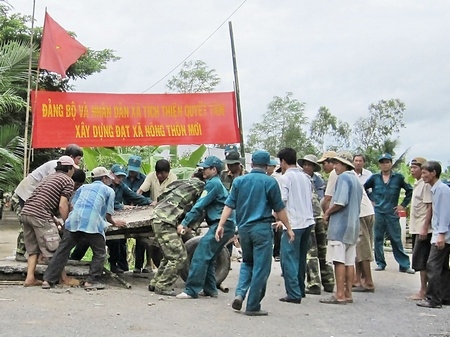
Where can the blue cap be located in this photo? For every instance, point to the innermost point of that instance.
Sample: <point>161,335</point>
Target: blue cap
<point>134,163</point>
<point>273,162</point>
<point>260,157</point>
<point>385,156</point>
<point>212,161</point>
<point>118,170</point>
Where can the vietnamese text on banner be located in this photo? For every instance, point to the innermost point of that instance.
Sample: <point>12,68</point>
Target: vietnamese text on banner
<point>98,119</point>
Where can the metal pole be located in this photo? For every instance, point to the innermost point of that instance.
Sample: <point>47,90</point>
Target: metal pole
<point>27,116</point>
<point>236,88</point>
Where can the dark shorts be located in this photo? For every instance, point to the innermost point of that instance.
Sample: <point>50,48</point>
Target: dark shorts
<point>420,253</point>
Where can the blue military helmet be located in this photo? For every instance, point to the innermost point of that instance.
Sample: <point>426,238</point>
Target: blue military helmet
<point>212,161</point>
<point>230,148</point>
<point>118,170</point>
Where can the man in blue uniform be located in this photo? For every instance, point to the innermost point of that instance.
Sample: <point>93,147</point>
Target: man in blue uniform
<point>386,186</point>
<point>254,196</point>
<point>202,269</point>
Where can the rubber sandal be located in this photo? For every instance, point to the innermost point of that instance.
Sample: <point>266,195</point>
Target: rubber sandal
<point>94,286</point>
<point>332,300</point>
<point>363,290</point>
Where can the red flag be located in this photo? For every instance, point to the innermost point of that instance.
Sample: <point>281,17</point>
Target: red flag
<point>59,50</point>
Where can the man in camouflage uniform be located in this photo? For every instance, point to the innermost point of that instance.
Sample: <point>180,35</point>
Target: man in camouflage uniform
<point>318,272</point>
<point>234,169</point>
<point>177,199</point>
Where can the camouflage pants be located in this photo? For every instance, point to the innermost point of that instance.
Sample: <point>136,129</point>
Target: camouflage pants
<point>20,249</point>
<point>318,272</point>
<point>174,255</point>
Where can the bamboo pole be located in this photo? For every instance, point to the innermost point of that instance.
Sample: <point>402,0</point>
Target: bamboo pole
<point>26,163</point>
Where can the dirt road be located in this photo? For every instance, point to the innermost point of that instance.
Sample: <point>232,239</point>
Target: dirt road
<point>136,312</point>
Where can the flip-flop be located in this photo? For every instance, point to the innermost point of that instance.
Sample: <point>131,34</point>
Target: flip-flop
<point>332,300</point>
<point>349,300</point>
<point>363,290</point>
<point>36,283</point>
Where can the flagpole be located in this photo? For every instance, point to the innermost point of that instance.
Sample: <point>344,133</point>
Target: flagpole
<point>26,163</point>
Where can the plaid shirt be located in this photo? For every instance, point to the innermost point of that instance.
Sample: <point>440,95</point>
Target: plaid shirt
<point>176,200</point>
<point>90,203</point>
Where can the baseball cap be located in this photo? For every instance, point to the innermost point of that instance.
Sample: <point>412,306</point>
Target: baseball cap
<point>101,171</point>
<point>134,163</point>
<point>66,160</point>
<point>212,161</point>
<point>118,170</point>
<point>327,155</point>
<point>385,156</point>
<point>273,162</point>
<point>260,157</point>
<point>418,161</point>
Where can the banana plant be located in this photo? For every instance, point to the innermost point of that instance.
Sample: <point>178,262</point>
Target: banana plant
<point>182,167</point>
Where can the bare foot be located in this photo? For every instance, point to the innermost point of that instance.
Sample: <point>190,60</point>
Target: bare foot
<point>32,283</point>
<point>416,297</point>
<point>70,282</point>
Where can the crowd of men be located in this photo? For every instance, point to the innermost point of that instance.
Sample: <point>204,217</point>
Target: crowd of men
<point>290,214</point>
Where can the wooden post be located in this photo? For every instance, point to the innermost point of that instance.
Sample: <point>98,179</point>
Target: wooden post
<point>236,89</point>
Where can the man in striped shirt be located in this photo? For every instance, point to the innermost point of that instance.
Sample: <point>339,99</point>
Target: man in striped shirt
<point>93,206</point>
<point>40,231</point>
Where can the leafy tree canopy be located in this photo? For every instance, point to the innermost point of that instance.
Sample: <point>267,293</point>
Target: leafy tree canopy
<point>194,76</point>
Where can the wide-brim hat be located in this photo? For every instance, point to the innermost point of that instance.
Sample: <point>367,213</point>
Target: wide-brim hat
<point>327,155</point>
<point>345,158</point>
<point>232,157</point>
<point>311,159</point>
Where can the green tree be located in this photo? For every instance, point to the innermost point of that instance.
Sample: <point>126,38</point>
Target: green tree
<point>11,157</point>
<point>194,76</point>
<point>384,122</point>
<point>329,133</point>
<point>14,58</point>
<point>283,125</point>
<point>15,27</point>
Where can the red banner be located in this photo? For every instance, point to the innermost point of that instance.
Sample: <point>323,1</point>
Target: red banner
<point>91,120</point>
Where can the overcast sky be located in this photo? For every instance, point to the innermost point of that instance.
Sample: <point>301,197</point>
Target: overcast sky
<point>340,54</point>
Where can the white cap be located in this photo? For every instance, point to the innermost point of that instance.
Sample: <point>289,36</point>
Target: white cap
<point>66,160</point>
<point>101,172</point>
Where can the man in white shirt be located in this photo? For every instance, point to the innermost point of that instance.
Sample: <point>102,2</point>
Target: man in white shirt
<point>297,195</point>
<point>328,167</point>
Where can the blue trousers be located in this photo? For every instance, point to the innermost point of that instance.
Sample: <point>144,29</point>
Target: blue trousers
<point>202,268</point>
<point>256,243</point>
<point>293,262</point>
<point>389,224</point>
